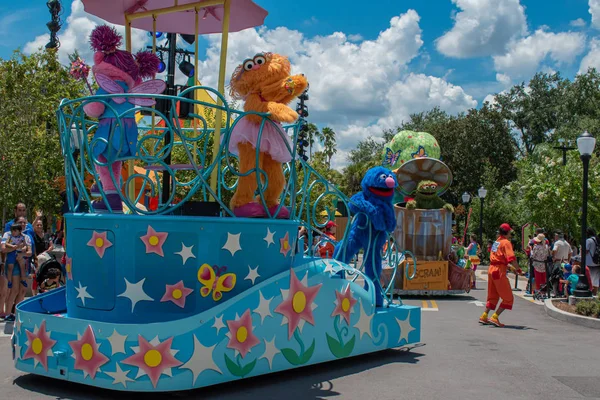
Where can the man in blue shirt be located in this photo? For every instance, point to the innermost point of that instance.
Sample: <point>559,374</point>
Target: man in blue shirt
<point>20,211</point>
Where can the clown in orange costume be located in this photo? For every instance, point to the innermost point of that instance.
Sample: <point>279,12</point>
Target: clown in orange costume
<point>502,257</point>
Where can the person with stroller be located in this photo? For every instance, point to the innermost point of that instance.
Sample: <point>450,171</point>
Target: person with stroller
<point>539,255</point>
<point>502,257</point>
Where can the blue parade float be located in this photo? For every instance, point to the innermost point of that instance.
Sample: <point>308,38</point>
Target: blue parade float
<point>166,299</point>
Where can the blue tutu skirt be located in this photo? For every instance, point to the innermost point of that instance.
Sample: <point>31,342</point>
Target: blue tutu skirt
<point>123,141</point>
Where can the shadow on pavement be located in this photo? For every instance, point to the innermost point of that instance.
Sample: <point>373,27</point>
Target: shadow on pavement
<point>306,383</point>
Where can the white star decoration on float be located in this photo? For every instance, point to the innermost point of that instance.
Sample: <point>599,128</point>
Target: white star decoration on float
<point>119,376</point>
<point>83,294</point>
<point>364,323</point>
<point>201,360</point>
<point>117,342</point>
<point>186,253</point>
<point>405,328</point>
<point>264,307</point>
<point>252,274</point>
<point>135,293</point>
<point>269,237</point>
<point>233,243</point>
<point>270,351</point>
<point>218,325</point>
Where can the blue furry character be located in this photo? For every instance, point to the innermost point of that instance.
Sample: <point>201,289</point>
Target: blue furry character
<point>374,202</point>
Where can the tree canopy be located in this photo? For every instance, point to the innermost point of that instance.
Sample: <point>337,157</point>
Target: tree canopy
<point>30,155</point>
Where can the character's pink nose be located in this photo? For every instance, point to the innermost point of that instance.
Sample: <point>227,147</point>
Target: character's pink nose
<point>255,66</point>
<point>389,182</point>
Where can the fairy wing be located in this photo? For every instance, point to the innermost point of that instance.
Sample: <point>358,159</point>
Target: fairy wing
<point>225,283</point>
<point>110,86</point>
<point>206,276</point>
<point>154,86</point>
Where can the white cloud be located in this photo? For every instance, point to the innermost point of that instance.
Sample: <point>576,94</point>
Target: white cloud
<point>592,58</point>
<point>483,28</point>
<point>355,38</point>
<point>525,55</point>
<point>578,23</point>
<point>595,11</point>
<point>419,92</point>
<point>76,33</point>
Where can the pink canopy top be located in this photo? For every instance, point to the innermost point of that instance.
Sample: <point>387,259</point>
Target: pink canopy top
<point>244,14</point>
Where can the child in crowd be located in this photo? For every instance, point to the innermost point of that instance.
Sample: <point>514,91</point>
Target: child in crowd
<point>52,280</point>
<point>15,244</point>
<point>570,278</point>
<point>472,254</point>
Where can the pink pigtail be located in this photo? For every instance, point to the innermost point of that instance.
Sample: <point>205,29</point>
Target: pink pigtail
<point>148,64</point>
<point>105,39</point>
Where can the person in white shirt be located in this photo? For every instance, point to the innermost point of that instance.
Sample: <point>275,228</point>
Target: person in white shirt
<point>561,252</point>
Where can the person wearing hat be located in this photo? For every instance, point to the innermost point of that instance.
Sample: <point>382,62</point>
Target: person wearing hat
<point>539,255</point>
<point>501,257</point>
<point>327,248</point>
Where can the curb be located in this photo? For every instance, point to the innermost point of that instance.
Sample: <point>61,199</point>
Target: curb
<point>561,315</point>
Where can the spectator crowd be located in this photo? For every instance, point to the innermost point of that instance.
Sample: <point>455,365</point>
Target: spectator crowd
<point>25,249</point>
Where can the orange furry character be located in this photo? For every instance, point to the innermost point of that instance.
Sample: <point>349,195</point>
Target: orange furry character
<point>264,82</point>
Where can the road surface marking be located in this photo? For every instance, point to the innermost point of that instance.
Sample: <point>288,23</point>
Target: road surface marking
<point>425,306</point>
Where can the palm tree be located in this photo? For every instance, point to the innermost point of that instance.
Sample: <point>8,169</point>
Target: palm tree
<point>329,143</point>
<point>312,134</point>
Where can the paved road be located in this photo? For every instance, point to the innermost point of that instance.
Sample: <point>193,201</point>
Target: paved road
<point>534,357</point>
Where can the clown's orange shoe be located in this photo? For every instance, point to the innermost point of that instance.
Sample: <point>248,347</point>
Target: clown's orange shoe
<point>495,321</point>
<point>484,319</point>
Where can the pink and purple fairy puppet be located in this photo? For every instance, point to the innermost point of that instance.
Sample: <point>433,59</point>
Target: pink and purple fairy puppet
<point>116,72</point>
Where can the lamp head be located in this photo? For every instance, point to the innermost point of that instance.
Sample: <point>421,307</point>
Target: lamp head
<point>466,197</point>
<point>482,192</point>
<point>586,144</point>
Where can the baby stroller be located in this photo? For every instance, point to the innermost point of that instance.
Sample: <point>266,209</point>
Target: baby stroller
<point>46,273</point>
<point>550,286</point>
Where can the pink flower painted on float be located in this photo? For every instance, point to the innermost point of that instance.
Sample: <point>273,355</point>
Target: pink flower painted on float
<point>69,267</point>
<point>176,293</point>
<point>241,337</point>
<point>87,356</point>
<point>100,243</point>
<point>153,360</point>
<point>298,304</point>
<point>39,346</point>
<point>154,241</point>
<point>285,244</point>
<point>343,304</point>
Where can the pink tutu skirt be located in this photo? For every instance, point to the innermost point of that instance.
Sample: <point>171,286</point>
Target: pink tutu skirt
<point>274,141</point>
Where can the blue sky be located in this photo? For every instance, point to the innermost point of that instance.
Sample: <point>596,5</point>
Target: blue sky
<point>419,68</point>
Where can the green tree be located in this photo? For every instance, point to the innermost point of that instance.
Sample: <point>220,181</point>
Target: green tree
<point>329,143</point>
<point>31,160</point>
<point>533,110</point>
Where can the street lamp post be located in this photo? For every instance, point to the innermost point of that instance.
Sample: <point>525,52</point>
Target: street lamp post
<point>564,149</point>
<point>482,192</point>
<point>466,198</point>
<point>585,145</point>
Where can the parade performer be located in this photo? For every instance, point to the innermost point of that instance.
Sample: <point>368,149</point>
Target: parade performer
<point>374,202</point>
<point>265,85</point>
<point>502,257</point>
<point>117,72</point>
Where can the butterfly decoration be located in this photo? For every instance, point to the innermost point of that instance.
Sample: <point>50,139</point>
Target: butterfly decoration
<point>215,280</point>
<point>153,86</point>
<point>391,157</point>
<point>419,153</point>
